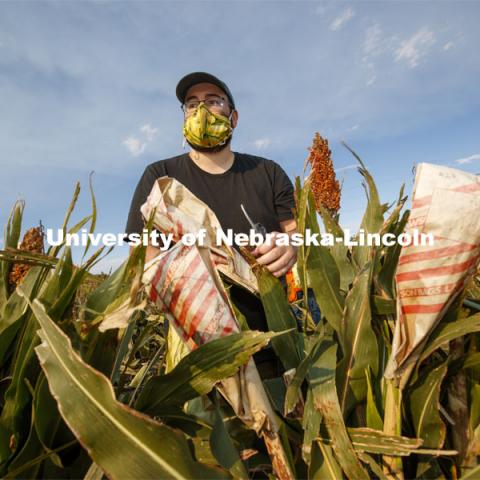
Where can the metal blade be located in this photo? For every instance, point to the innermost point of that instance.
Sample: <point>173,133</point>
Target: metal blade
<point>247,216</point>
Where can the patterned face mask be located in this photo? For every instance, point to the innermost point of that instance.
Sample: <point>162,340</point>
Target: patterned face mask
<point>206,129</point>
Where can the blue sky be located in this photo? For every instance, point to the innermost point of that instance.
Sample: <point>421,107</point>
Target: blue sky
<point>90,86</point>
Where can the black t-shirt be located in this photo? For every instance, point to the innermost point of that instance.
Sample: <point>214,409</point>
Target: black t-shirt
<point>261,185</point>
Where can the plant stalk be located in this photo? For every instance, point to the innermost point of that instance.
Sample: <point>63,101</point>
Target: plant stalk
<point>392,425</point>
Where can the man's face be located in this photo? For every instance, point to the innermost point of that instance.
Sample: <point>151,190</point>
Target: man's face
<point>207,91</point>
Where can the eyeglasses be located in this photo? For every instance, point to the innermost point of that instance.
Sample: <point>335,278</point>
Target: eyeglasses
<point>213,102</point>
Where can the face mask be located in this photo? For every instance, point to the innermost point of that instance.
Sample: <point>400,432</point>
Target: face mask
<point>206,129</point>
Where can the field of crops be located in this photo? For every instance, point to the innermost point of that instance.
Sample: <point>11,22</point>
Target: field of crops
<point>90,384</point>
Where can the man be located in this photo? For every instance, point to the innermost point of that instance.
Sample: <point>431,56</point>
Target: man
<point>224,179</point>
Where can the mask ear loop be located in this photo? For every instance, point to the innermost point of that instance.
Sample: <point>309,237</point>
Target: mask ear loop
<point>184,143</point>
<point>230,120</point>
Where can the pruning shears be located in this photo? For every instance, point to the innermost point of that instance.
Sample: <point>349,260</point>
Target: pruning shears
<point>258,227</point>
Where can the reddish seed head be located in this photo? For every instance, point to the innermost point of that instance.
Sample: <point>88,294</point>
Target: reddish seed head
<point>324,184</point>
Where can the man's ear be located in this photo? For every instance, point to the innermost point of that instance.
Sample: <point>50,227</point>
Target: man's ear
<point>234,118</point>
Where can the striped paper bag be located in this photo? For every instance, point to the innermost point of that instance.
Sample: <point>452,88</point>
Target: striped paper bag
<point>184,283</point>
<point>178,211</point>
<point>446,205</point>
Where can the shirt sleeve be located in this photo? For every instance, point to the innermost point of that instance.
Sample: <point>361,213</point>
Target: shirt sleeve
<point>135,223</point>
<point>283,194</point>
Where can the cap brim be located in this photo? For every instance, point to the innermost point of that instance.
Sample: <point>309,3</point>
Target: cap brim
<point>194,78</point>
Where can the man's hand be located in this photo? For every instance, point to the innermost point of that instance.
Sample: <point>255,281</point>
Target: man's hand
<point>279,259</point>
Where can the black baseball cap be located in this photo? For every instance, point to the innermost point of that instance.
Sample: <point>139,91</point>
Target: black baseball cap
<point>201,77</point>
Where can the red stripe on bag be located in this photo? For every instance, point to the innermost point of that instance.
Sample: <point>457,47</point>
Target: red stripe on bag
<point>435,308</point>
<point>424,201</point>
<point>421,202</point>
<point>185,277</point>
<point>158,274</point>
<point>471,187</point>
<point>192,295</point>
<point>437,271</point>
<point>437,253</point>
<point>200,313</point>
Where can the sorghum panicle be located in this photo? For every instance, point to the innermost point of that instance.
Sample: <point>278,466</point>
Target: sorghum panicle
<point>32,242</point>
<point>325,186</point>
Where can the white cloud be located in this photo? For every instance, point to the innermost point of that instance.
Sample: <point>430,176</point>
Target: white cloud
<point>135,146</point>
<point>448,46</point>
<point>342,19</point>
<point>262,143</point>
<point>149,131</point>
<point>372,44</point>
<point>470,159</point>
<point>416,47</point>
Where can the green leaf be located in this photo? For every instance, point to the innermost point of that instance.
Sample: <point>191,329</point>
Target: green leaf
<point>98,350</point>
<point>373,217</point>
<point>375,441</point>
<point>447,331</point>
<point>312,419</point>
<point>198,372</point>
<point>323,466</point>
<point>301,194</point>
<point>359,343</point>
<point>46,415</point>
<point>339,251</point>
<point>386,276</point>
<point>279,316</point>
<point>322,382</point>
<point>223,447</point>
<point>124,443</point>
<point>54,249</point>
<point>472,474</point>
<point>14,417</point>
<point>374,466</point>
<point>293,389</point>
<point>378,442</point>
<point>424,402</point>
<point>10,239</point>
<point>374,419</point>
<point>474,407</point>
<point>15,311</point>
<point>93,216</point>
<point>31,449</point>
<point>29,258</point>
<point>383,306</point>
<point>324,276</point>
